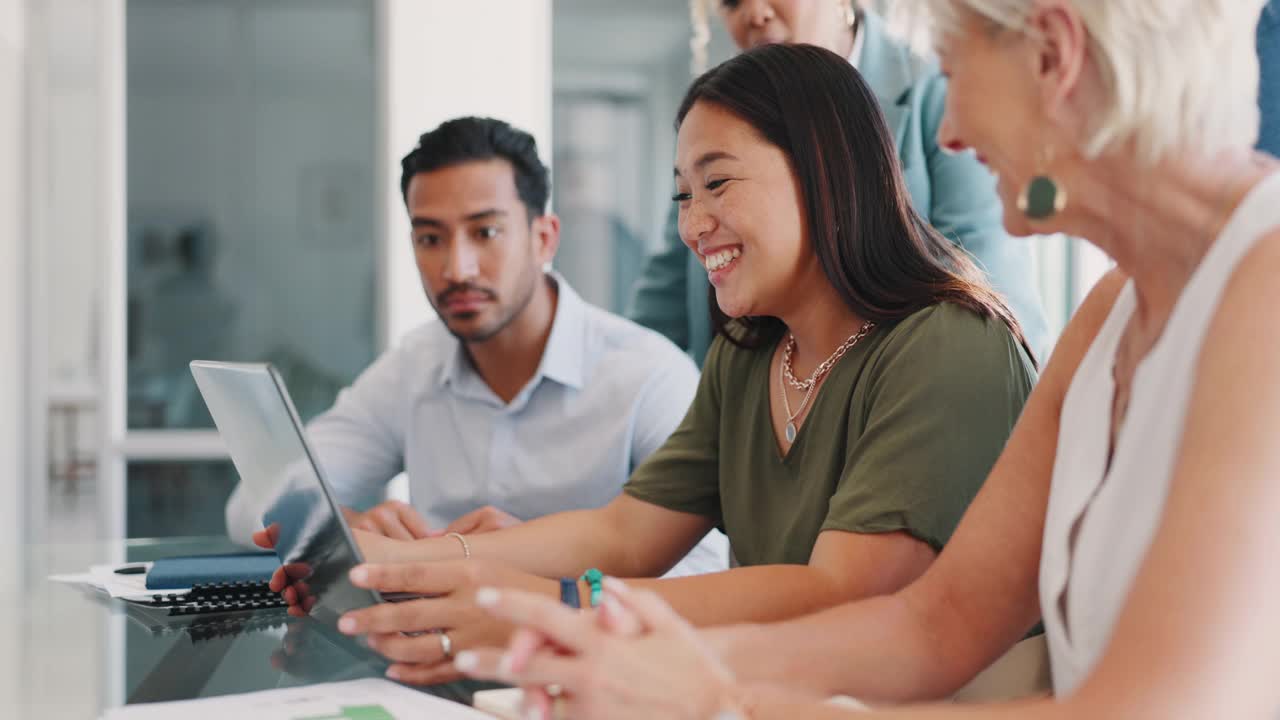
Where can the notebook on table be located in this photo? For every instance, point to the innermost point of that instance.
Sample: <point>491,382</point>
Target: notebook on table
<point>253,568</point>
<point>206,584</point>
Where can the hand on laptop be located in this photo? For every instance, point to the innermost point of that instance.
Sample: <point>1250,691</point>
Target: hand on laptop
<point>289,580</point>
<point>400,521</point>
<point>486,519</point>
<point>394,519</point>
<point>385,534</point>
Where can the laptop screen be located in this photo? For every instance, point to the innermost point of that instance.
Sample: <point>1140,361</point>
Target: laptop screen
<point>279,475</point>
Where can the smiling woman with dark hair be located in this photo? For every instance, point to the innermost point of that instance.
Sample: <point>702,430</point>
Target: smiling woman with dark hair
<point>865,381</point>
<point>853,317</point>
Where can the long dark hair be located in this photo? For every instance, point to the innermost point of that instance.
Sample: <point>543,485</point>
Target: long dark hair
<point>883,259</point>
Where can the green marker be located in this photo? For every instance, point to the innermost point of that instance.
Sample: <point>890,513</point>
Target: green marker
<point>356,712</point>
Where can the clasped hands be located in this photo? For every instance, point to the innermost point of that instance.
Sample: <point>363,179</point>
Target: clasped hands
<point>634,658</point>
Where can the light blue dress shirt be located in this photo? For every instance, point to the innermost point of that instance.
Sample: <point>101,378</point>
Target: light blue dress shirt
<point>605,396</point>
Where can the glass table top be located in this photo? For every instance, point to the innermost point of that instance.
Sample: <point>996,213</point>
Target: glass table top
<point>73,653</point>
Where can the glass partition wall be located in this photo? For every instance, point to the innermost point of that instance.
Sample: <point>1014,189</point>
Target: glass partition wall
<point>251,149</point>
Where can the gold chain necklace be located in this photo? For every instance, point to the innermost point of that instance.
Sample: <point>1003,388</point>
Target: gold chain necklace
<point>787,375</point>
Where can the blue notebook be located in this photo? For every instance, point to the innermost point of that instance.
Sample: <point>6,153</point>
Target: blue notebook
<point>186,572</point>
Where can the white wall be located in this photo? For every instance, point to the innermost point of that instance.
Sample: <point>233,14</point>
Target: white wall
<point>66,40</point>
<point>443,59</point>
<point>14,475</point>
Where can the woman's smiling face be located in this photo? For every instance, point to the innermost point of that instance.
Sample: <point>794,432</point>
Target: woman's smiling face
<point>741,213</point>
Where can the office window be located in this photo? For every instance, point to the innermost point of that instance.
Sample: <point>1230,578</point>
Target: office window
<point>619,69</point>
<point>251,143</point>
<point>183,498</point>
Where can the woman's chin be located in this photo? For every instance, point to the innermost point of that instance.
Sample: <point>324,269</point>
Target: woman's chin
<point>733,308</point>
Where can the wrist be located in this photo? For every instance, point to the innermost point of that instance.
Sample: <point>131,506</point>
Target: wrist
<point>732,702</point>
<point>462,542</point>
<point>432,549</point>
<point>741,647</point>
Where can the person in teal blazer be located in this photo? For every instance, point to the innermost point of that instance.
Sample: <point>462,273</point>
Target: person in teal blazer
<point>954,192</point>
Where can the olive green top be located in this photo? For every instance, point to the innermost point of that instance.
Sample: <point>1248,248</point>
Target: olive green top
<point>900,437</point>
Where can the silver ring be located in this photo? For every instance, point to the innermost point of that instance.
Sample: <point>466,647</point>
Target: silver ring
<point>446,645</point>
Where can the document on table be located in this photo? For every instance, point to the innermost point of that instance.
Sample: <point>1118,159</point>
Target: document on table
<point>505,703</point>
<point>104,578</point>
<point>368,699</point>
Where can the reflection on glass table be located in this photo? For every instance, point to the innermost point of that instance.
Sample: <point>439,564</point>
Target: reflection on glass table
<point>76,654</point>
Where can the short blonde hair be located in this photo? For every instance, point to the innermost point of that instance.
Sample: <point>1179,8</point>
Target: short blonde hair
<point>1176,73</point>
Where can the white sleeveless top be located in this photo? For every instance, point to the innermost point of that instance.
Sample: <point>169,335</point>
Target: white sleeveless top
<point>1083,587</point>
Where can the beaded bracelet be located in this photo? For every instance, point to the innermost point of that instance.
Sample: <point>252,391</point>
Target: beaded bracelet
<point>569,593</point>
<point>595,580</point>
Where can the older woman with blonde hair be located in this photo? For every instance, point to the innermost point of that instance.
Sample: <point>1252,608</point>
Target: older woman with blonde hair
<point>1134,508</point>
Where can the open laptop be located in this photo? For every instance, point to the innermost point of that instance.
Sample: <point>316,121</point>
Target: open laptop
<point>279,472</point>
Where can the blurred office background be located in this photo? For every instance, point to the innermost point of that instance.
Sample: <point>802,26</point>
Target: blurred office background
<point>218,179</point>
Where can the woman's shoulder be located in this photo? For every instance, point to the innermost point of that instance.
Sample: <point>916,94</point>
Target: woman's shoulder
<point>949,326</point>
<point>946,344</point>
<point>1251,289</point>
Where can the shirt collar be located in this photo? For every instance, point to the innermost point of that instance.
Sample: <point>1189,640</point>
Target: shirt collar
<point>563,359</point>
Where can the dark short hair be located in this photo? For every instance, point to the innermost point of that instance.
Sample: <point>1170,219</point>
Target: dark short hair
<point>883,259</point>
<point>470,139</point>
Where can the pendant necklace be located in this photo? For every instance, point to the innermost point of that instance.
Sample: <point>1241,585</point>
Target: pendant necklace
<point>787,375</point>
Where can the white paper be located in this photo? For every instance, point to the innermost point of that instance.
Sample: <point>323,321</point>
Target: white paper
<point>126,587</point>
<point>506,703</point>
<point>368,699</point>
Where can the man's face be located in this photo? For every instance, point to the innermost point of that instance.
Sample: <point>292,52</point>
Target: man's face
<point>479,255</point>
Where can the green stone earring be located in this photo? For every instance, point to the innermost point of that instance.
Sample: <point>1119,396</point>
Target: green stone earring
<point>1042,198</point>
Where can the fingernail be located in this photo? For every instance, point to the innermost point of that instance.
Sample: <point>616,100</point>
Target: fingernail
<point>393,672</point>
<point>347,625</point>
<point>533,713</point>
<point>504,667</point>
<point>466,661</point>
<point>614,583</point>
<point>487,597</point>
<point>359,575</point>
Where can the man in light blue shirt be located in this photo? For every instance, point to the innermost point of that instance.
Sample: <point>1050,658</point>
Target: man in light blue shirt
<point>522,400</point>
